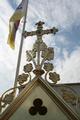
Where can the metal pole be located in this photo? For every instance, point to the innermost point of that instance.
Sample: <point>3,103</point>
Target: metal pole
<point>20,49</point>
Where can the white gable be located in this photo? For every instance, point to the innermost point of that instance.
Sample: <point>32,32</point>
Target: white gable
<point>53,111</point>
<point>38,101</point>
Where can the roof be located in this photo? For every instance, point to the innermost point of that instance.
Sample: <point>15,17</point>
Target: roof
<point>50,92</point>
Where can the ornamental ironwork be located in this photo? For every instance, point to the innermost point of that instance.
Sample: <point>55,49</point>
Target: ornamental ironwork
<point>38,63</point>
<point>39,58</point>
<point>70,96</point>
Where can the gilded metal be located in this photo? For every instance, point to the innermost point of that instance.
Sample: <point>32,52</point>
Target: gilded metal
<point>38,63</point>
<point>49,91</point>
<point>70,96</point>
<point>22,78</point>
<point>41,54</point>
<point>6,99</point>
<point>40,31</point>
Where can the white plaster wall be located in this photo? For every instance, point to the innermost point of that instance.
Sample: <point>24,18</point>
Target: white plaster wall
<point>54,113</point>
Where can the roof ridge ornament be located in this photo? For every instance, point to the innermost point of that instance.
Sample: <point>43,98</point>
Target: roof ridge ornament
<point>39,57</point>
<point>38,63</point>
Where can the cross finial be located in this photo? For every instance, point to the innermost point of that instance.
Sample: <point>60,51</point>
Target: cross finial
<point>39,32</point>
<point>39,63</point>
<point>41,55</point>
<point>40,45</point>
<point>40,23</point>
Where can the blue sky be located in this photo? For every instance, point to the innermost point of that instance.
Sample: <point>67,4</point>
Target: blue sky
<point>63,14</point>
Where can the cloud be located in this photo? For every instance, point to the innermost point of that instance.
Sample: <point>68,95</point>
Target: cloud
<point>63,13</point>
<point>7,56</point>
<point>69,68</point>
<point>60,13</point>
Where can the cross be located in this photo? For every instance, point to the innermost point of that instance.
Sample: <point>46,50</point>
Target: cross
<point>39,32</point>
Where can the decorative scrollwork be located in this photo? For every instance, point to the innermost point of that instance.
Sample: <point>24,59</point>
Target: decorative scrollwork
<point>54,77</point>
<point>39,44</point>
<point>70,96</point>
<point>29,56</point>
<point>22,78</point>
<point>6,99</point>
<point>48,54</point>
<point>37,63</point>
<point>40,54</point>
<point>28,68</point>
<point>44,54</point>
<point>48,66</point>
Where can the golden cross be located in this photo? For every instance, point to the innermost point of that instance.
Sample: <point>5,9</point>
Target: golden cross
<point>39,32</point>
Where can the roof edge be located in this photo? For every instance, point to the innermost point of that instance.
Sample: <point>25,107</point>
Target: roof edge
<point>48,89</point>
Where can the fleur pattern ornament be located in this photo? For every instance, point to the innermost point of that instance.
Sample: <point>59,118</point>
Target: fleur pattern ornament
<point>28,68</point>
<point>28,55</point>
<point>8,98</point>
<point>22,78</point>
<point>70,96</point>
<point>39,44</point>
<point>38,56</point>
<point>33,53</point>
<point>54,77</point>
<point>48,54</point>
<point>48,66</point>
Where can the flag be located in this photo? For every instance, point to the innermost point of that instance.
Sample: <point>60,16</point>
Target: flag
<point>14,22</point>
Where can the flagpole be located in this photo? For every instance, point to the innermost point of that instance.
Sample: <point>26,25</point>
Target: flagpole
<point>20,50</point>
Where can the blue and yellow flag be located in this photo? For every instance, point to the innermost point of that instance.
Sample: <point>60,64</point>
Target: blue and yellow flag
<point>14,22</point>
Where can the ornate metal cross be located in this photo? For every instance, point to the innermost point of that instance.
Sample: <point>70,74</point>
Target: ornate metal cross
<point>38,63</point>
<point>39,33</point>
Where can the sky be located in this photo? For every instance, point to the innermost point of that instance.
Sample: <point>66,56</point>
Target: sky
<point>64,15</point>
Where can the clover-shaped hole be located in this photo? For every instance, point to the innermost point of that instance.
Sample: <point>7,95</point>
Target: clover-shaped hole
<point>37,102</point>
<point>33,111</point>
<point>38,108</point>
<point>43,110</point>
